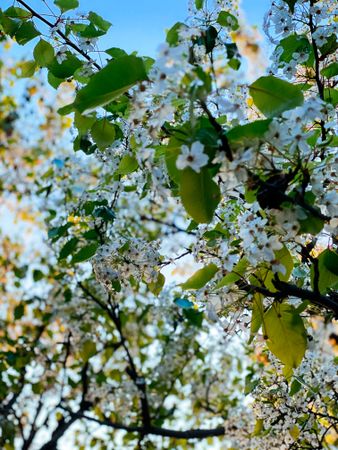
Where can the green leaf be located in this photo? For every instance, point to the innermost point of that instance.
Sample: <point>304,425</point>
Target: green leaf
<point>19,311</point>
<point>103,133</point>
<point>27,69</point>
<point>227,20</point>
<point>331,96</point>
<point>234,63</point>
<point>38,275</point>
<point>285,334</point>
<point>201,277</point>
<point>194,317</point>
<point>200,195</point>
<point>295,387</point>
<point>330,47</point>
<point>330,261</point>
<point>330,71</point>
<point>83,123</point>
<point>171,154</point>
<point>232,51</point>
<point>68,248</point>
<point>210,39</point>
<point>26,32</point>
<point>66,5</point>
<point>65,69</point>
<point>128,164</point>
<point>283,256</point>
<point>184,303</point>
<point>172,35</point>
<point>257,314</point>
<point>157,286</point>
<point>56,232</point>
<point>43,53</point>
<point>246,133</point>
<point>9,26</point>
<point>99,22</point>
<point>115,52</point>
<point>105,213</point>
<point>199,4</point>
<point>54,81</point>
<point>312,224</point>
<point>88,350</point>
<point>293,44</point>
<point>15,12</point>
<point>109,83</point>
<point>85,253</point>
<point>235,275</point>
<point>328,271</point>
<point>273,96</point>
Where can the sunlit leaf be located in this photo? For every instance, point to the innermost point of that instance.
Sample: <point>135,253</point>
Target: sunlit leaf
<point>66,5</point>
<point>43,53</point>
<point>201,277</point>
<point>113,80</point>
<point>273,96</point>
<point>285,334</point>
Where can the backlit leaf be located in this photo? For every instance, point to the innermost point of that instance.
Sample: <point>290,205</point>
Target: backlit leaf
<point>273,96</point>
<point>201,277</point>
<point>113,80</point>
<point>103,133</point>
<point>285,334</point>
<point>43,53</point>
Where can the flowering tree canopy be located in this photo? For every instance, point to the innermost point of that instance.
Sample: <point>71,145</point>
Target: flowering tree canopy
<point>171,284</point>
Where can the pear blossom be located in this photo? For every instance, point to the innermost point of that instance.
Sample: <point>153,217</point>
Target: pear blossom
<point>193,157</point>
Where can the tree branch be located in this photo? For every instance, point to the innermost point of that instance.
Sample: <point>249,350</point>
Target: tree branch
<point>289,290</point>
<point>225,143</point>
<point>158,431</point>
<point>139,381</point>
<point>60,33</point>
<point>167,224</point>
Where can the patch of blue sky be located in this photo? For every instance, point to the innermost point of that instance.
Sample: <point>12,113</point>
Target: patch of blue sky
<point>139,25</point>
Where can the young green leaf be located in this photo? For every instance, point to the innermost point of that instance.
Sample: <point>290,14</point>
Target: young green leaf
<point>235,275</point>
<point>99,22</point>
<point>227,20</point>
<point>66,5</point>
<point>128,164</point>
<point>201,277</point>
<point>199,4</point>
<point>88,350</point>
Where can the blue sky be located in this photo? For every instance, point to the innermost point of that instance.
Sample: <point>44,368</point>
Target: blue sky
<point>140,24</point>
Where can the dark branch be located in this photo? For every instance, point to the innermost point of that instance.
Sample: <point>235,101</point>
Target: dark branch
<point>167,224</point>
<point>157,431</point>
<point>289,290</point>
<point>60,33</point>
<point>225,143</point>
